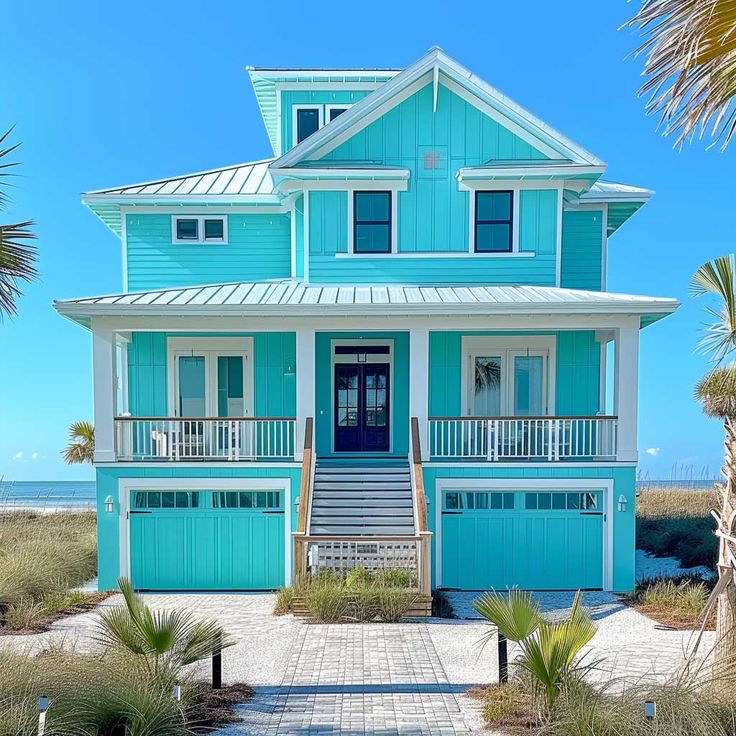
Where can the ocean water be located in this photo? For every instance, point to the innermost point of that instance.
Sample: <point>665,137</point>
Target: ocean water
<point>47,494</point>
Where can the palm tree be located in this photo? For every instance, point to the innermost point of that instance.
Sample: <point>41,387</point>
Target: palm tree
<point>165,641</point>
<point>549,649</point>
<point>81,447</point>
<point>717,395</point>
<point>691,64</point>
<point>17,256</point>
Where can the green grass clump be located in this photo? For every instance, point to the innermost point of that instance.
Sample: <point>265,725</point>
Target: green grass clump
<point>328,601</point>
<point>284,601</point>
<point>394,603</point>
<point>43,556</point>
<point>677,523</point>
<point>677,602</point>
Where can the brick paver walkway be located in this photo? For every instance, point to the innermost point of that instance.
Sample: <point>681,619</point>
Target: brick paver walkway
<point>354,680</point>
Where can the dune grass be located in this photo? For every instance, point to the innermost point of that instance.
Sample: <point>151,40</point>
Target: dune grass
<point>673,522</point>
<point>676,602</point>
<point>43,557</point>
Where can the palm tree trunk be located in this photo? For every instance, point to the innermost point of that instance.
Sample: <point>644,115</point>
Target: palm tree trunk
<point>726,621</point>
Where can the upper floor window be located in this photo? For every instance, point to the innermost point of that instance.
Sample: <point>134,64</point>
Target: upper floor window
<point>334,111</point>
<point>372,222</point>
<point>307,121</point>
<point>494,215</point>
<point>199,229</point>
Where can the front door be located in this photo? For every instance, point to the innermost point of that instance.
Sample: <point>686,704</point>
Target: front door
<point>361,407</point>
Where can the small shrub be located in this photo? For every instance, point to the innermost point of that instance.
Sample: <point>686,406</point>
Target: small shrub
<point>358,576</point>
<point>676,602</point>
<point>364,602</point>
<point>441,605</point>
<point>393,578</point>
<point>689,539</point>
<point>394,603</point>
<point>24,614</point>
<point>327,600</point>
<point>284,601</point>
<point>507,706</point>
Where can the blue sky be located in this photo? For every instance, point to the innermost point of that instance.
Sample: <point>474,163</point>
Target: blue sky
<point>103,95</point>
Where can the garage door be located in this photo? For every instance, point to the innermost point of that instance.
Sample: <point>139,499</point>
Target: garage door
<point>207,540</point>
<point>530,540</point>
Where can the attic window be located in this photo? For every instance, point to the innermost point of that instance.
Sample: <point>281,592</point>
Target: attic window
<point>308,121</point>
<point>198,229</point>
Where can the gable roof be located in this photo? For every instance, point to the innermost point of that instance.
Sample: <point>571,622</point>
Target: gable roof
<point>436,66</point>
<point>248,183</point>
<point>268,81</point>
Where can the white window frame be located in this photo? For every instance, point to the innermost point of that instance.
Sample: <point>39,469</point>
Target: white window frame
<point>508,348</point>
<point>515,207</point>
<point>394,220</point>
<point>200,239</point>
<point>335,106</point>
<point>295,118</point>
<point>210,349</point>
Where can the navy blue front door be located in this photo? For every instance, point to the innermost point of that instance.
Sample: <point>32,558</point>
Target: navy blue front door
<point>361,407</point>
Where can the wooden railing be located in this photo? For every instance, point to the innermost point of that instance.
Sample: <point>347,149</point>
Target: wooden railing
<point>204,438</point>
<point>505,439</point>
<point>424,558</point>
<point>305,501</point>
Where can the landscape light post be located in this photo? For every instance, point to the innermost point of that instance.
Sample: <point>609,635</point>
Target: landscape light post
<point>43,706</point>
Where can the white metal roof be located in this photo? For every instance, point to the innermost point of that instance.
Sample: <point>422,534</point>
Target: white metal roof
<point>295,298</point>
<point>611,191</point>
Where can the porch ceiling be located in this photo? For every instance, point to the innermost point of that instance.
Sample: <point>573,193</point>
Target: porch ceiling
<point>290,298</point>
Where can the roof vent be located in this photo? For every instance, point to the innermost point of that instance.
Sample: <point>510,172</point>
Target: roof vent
<point>432,162</point>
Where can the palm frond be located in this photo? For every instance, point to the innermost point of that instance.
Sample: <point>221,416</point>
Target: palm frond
<point>516,617</point>
<point>717,277</point>
<point>4,173</point>
<point>690,48</point>
<point>17,263</point>
<point>716,393</point>
<point>81,447</point>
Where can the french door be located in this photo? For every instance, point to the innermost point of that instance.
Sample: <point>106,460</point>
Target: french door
<point>361,407</point>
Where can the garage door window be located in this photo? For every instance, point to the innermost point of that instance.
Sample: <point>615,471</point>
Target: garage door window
<point>587,501</point>
<point>166,500</point>
<point>478,501</point>
<point>246,499</point>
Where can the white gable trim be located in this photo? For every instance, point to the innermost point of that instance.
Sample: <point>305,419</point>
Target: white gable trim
<point>364,111</point>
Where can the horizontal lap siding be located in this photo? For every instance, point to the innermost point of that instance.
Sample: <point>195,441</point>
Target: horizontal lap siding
<point>259,247</point>
<point>582,251</point>
<point>433,214</point>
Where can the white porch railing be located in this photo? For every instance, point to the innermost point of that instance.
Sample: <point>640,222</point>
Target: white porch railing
<point>504,439</point>
<point>205,438</point>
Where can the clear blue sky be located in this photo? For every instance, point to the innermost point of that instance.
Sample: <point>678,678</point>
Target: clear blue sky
<point>105,94</point>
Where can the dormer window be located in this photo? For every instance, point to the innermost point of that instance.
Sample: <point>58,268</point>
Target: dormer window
<point>308,121</point>
<point>199,229</point>
<point>334,111</point>
<point>494,217</point>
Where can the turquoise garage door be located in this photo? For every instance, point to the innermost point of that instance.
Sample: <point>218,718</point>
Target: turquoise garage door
<point>529,540</point>
<point>207,540</point>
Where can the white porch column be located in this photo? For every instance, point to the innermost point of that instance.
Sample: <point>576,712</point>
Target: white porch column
<point>419,384</point>
<point>626,383</point>
<point>305,380</point>
<point>105,391</point>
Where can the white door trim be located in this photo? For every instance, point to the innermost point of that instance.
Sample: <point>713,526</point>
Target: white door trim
<point>127,485</point>
<point>530,484</point>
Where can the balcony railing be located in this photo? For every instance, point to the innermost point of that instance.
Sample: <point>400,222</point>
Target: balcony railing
<point>204,438</point>
<point>509,439</point>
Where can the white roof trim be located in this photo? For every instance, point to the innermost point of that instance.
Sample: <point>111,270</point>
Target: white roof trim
<point>344,172</point>
<point>221,199</point>
<point>435,58</point>
<point>294,298</point>
<point>520,172</point>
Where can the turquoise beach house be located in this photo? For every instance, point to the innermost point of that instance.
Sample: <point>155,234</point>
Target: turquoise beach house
<point>390,344</point>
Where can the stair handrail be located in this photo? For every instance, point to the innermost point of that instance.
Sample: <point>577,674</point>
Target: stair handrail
<point>305,499</point>
<point>420,511</point>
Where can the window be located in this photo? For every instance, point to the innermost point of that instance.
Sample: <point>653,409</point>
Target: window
<point>479,501</point>
<point>307,122</point>
<point>334,111</point>
<point>587,501</point>
<point>372,222</point>
<point>494,222</point>
<point>246,499</point>
<point>199,229</point>
<point>166,500</point>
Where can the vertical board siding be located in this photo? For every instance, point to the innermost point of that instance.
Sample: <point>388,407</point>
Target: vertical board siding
<point>433,214</point>
<point>258,247</point>
<point>274,373</point>
<point>577,379</point>
<point>291,98</point>
<point>582,249</point>
<point>398,396</point>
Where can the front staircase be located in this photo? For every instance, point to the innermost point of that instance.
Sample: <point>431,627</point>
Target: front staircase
<point>362,500</point>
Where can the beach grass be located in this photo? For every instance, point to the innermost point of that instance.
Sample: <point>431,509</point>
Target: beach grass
<point>676,522</point>
<point>43,558</point>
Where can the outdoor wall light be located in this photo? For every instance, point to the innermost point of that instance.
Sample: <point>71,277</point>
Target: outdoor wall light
<point>622,502</point>
<point>109,505</point>
<point>650,710</point>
